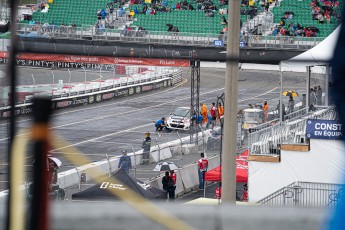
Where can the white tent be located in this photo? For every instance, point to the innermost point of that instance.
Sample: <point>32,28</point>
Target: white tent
<point>318,55</point>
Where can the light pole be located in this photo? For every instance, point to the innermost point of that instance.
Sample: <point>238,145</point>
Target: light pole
<point>84,80</point>
<point>69,82</point>
<point>221,120</point>
<point>53,83</point>
<point>33,79</point>
<point>230,105</point>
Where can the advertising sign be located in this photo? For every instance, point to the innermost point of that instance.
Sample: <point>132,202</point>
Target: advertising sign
<point>218,43</point>
<point>88,62</point>
<point>324,129</point>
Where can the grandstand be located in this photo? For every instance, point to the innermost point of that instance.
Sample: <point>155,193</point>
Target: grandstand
<point>204,22</point>
<point>301,11</point>
<point>77,12</point>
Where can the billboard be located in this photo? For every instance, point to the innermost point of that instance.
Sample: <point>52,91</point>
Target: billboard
<point>88,62</point>
<point>324,129</point>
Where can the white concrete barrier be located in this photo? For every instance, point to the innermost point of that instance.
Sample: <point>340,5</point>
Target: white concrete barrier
<point>190,177</point>
<point>158,154</point>
<point>179,184</point>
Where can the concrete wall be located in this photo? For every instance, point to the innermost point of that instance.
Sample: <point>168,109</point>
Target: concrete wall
<point>118,215</point>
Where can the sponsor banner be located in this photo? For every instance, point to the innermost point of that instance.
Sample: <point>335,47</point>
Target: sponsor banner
<point>324,129</point>
<point>159,85</point>
<point>74,61</point>
<point>6,113</point>
<point>146,88</point>
<point>61,103</point>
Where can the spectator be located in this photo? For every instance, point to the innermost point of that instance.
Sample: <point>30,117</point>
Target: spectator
<point>121,12</point>
<point>202,169</point>
<point>125,162</point>
<point>291,105</point>
<point>111,8</point>
<point>168,185</point>
<point>224,21</point>
<point>319,95</point>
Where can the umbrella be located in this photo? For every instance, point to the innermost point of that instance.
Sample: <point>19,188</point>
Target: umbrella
<point>290,93</point>
<point>313,28</point>
<point>326,8</point>
<point>165,166</point>
<point>56,161</point>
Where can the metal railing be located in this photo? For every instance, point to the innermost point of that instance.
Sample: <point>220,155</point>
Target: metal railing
<point>306,194</point>
<point>267,140</point>
<point>164,37</point>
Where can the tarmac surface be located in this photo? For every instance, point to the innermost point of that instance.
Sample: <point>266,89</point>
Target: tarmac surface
<point>107,128</point>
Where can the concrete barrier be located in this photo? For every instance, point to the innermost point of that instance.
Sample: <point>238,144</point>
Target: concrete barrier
<point>187,178</point>
<point>179,184</point>
<point>158,154</point>
<point>190,177</point>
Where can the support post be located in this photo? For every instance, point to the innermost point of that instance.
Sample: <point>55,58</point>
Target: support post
<point>230,108</point>
<point>195,101</point>
<point>327,86</point>
<point>280,95</point>
<point>307,102</point>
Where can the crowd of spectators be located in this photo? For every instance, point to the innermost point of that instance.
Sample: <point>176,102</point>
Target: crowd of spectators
<point>322,11</point>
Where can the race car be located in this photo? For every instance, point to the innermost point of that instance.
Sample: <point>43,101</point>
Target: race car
<point>179,119</point>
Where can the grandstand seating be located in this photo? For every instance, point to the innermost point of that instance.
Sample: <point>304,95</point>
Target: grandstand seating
<point>185,20</point>
<point>302,15</point>
<point>77,12</point>
<point>84,12</point>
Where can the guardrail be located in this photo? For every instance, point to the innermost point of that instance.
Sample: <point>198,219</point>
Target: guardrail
<point>170,38</point>
<point>306,194</point>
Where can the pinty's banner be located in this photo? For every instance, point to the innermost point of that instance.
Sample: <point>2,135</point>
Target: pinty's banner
<point>103,60</point>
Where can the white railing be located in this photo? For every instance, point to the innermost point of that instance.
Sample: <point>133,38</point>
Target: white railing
<point>267,140</point>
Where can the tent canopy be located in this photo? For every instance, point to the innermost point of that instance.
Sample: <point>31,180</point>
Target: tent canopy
<point>320,54</point>
<point>241,170</point>
<point>102,191</point>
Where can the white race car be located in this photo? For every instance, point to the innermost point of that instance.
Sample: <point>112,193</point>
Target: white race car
<point>179,119</point>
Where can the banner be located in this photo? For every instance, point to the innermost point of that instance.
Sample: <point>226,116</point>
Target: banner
<point>80,61</point>
<point>324,129</point>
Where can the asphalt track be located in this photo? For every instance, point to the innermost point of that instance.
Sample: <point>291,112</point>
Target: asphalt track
<point>109,127</point>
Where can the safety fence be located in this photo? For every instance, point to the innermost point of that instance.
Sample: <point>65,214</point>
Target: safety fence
<point>292,130</point>
<point>306,194</point>
<point>170,38</point>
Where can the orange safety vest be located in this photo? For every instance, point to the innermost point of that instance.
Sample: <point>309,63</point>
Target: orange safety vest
<point>220,111</point>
